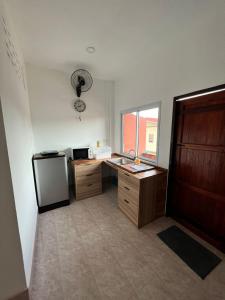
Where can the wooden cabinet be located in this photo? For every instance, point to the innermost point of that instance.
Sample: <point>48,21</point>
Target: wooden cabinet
<point>142,198</point>
<point>88,179</point>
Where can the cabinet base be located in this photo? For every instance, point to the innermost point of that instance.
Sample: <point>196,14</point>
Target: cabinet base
<point>42,209</point>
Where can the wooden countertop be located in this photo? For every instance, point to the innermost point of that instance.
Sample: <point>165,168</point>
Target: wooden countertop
<point>140,175</point>
<point>85,162</point>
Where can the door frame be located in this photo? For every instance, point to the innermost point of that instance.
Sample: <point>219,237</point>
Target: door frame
<point>172,139</point>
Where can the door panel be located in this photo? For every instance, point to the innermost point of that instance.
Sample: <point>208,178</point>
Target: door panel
<point>210,122</point>
<point>203,210</point>
<point>202,168</point>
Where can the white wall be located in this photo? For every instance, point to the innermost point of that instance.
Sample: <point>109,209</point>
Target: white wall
<point>19,137</point>
<point>190,60</point>
<point>55,123</point>
<point>12,275</point>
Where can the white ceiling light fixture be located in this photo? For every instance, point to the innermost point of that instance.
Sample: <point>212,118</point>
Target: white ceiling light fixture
<point>90,49</point>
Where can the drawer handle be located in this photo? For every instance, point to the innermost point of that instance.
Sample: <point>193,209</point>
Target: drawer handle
<point>89,174</point>
<point>126,200</point>
<point>127,174</point>
<point>90,184</point>
<point>126,188</point>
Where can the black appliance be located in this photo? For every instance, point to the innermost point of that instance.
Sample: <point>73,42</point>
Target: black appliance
<point>80,153</point>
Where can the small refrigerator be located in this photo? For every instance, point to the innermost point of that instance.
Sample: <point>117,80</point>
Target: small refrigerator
<point>51,180</point>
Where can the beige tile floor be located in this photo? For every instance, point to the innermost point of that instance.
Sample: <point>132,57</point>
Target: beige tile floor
<point>90,250</point>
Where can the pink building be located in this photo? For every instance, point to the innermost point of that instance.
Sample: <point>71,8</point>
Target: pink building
<point>147,135</point>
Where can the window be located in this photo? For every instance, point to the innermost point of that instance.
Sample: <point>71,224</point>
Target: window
<point>140,129</point>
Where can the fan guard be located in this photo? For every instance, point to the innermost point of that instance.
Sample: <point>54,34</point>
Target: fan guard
<point>81,81</point>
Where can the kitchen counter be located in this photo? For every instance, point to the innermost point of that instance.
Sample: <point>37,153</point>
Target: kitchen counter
<point>141,196</point>
<point>138,175</point>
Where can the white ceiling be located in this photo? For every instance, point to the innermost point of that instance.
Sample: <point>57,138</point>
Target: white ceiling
<point>55,33</point>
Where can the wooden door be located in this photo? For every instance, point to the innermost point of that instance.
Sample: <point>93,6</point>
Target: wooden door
<point>198,166</point>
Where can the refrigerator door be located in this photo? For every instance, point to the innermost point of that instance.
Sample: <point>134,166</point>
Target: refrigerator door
<point>51,180</point>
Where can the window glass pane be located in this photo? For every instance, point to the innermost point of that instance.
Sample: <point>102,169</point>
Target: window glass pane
<point>148,129</point>
<point>129,133</point>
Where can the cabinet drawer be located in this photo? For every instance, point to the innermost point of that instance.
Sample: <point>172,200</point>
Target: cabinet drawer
<point>129,189</point>
<point>88,178</point>
<point>130,210</point>
<point>129,179</point>
<point>132,197</point>
<point>88,190</point>
<point>87,169</point>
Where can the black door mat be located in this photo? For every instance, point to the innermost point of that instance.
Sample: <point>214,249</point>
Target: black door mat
<point>197,257</point>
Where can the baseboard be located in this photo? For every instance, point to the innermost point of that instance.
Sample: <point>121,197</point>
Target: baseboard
<point>21,296</point>
<point>34,249</point>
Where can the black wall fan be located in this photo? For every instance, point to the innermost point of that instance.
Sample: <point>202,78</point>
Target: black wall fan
<point>81,81</point>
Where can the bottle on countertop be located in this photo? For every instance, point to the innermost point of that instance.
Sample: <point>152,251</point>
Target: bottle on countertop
<point>90,153</point>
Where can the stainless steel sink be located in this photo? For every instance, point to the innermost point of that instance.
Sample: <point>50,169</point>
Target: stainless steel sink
<point>130,165</point>
<point>121,161</point>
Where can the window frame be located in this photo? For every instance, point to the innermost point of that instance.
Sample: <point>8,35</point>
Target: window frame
<point>137,110</point>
